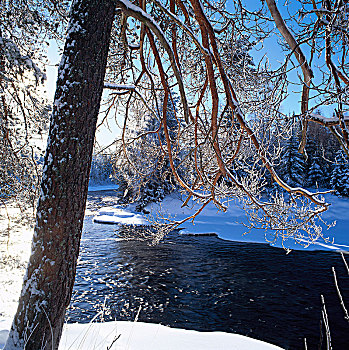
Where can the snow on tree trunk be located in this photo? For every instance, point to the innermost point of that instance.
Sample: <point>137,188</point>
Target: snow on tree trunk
<point>50,275</point>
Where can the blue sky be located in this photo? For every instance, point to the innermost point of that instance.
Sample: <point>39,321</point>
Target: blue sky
<point>271,48</point>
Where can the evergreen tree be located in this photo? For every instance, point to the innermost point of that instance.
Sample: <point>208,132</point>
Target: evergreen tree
<point>158,180</point>
<point>315,175</point>
<point>316,167</point>
<point>49,280</point>
<point>102,172</point>
<point>340,174</point>
<point>292,164</point>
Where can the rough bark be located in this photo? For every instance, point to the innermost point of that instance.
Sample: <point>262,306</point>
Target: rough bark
<point>49,280</point>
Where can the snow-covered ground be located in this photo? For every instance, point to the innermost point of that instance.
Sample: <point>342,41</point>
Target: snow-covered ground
<point>15,250</point>
<point>119,216</point>
<point>228,225</point>
<point>15,241</point>
<point>121,335</point>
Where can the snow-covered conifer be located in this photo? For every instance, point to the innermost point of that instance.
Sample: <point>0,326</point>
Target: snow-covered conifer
<point>340,174</point>
<point>292,163</point>
<point>49,280</point>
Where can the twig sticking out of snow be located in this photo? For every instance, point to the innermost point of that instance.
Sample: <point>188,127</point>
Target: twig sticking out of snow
<point>345,263</point>
<point>326,324</point>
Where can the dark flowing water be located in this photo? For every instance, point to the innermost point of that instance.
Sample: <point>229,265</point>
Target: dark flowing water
<point>209,284</point>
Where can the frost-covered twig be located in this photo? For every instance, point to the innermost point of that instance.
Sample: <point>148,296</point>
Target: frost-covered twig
<point>346,315</point>
<point>326,323</point>
<point>345,262</point>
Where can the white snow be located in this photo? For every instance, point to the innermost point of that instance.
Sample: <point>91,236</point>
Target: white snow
<point>122,335</point>
<point>119,216</point>
<point>323,119</point>
<point>15,246</point>
<point>228,225</point>
<point>119,86</point>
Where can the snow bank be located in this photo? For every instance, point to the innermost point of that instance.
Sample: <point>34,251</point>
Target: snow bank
<point>200,234</point>
<point>5,325</point>
<point>228,225</point>
<point>122,335</point>
<point>144,336</point>
<point>119,216</point>
<point>15,243</point>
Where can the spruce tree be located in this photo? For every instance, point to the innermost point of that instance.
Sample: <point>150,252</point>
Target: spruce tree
<point>292,164</point>
<point>157,180</point>
<point>316,166</point>
<point>340,174</point>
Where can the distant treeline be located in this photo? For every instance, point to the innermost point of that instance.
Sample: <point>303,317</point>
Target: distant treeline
<point>325,164</point>
<point>102,172</point>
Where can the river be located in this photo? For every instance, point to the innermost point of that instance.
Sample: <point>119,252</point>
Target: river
<point>209,284</point>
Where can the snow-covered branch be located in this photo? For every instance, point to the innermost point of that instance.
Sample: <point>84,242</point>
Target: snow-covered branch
<point>136,12</point>
<point>326,121</point>
<point>112,86</point>
<point>10,51</point>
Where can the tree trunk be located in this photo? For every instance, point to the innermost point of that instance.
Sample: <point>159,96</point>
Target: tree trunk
<point>50,275</point>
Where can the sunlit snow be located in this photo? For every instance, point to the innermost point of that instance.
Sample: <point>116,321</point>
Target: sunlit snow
<point>119,216</point>
<point>122,335</point>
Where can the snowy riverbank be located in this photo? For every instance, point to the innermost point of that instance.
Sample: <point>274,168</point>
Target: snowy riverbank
<point>120,335</point>
<point>15,249</point>
<point>15,241</point>
<point>227,225</point>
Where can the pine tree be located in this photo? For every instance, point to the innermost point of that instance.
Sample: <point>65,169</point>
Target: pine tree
<point>158,180</point>
<point>315,175</point>
<point>101,170</point>
<point>49,280</point>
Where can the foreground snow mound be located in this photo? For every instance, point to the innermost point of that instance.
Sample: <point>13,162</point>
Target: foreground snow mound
<point>119,216</point>
<point>5,325</point>
<point>122,335</point>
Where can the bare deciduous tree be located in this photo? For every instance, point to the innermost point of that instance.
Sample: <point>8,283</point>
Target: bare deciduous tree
<point>229,119</point>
